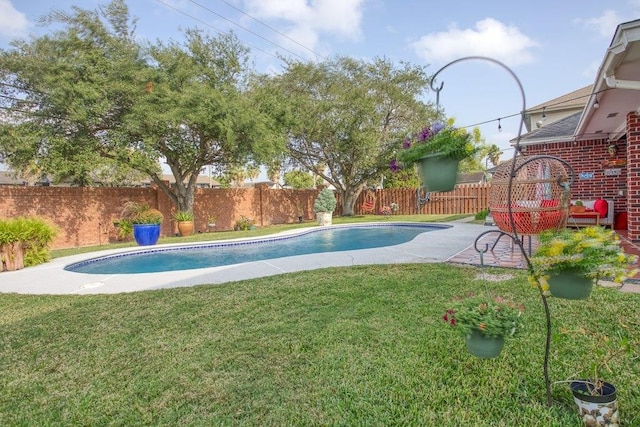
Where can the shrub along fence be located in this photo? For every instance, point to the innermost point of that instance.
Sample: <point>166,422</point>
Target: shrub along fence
<point>85,216</point>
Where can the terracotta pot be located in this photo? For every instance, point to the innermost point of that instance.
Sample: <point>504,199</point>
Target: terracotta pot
<point>185,228</point>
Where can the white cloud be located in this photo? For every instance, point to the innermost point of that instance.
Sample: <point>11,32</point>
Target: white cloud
<point>12,22</point>
<point>489,38</point>
<point>605,24</point>
<point>306,20</point>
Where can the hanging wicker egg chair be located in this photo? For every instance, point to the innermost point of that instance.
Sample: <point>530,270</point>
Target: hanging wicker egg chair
<point>540,192</point>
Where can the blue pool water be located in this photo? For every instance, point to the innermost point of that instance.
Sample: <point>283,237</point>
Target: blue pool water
<point>332,239</point>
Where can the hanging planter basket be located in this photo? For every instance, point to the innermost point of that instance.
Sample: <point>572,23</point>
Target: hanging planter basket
<point>438,173</point>
<point>483,346</point>
<point>599,409</point>
<point>570,284</point>
<point>539,195</point>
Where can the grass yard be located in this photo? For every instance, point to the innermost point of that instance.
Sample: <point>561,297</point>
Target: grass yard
<point>350,346</point>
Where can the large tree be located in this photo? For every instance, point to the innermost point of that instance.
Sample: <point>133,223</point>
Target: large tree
<point>344,117</point>
<point>91,91</point>
<point>64,92</point>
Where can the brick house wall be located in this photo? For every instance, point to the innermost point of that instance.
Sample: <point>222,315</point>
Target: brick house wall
<point>633,176</point>
<point>597,177</point>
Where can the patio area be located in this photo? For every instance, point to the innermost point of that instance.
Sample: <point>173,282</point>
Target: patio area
<point>502,252</point>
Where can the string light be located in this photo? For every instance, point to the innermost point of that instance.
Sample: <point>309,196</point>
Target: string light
<point>596,104</point>
<point>499,126</point>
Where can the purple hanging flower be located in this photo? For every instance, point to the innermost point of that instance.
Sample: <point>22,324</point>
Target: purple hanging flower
<point>394,166</point>
<point>437,127</point>
<point>406,143</point>
<point>425,133</point>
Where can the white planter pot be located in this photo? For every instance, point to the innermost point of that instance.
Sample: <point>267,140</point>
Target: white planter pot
<point>601,410</point>
<point>324,218</point>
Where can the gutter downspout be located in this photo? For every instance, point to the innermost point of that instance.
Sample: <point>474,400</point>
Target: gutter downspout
<point>614,83</point>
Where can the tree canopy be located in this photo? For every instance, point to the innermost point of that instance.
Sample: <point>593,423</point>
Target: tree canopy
<point>91,91</point>
<point>344,116</point>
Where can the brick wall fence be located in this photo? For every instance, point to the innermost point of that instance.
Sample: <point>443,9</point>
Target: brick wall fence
<point>84,216</point>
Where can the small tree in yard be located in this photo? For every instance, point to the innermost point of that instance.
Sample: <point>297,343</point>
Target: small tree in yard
<point>325,202</point>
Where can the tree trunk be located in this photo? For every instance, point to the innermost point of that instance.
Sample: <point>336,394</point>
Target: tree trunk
<point>349,197</point>
<point>186,199</point>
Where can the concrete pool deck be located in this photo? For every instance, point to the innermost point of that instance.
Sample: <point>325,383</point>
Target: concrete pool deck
<point>51,278</point>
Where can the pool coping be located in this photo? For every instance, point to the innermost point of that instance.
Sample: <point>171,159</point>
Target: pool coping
<point>51,278</point>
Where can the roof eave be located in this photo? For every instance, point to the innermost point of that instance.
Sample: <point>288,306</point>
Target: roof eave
<point>626,32</point>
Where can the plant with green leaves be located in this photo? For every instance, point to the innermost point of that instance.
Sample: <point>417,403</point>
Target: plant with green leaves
<point>181,216</point>
<point>493,317</point>
<point>439,138</point>
<point>31,235</point>
<point>140,213</point>
<point>325,202</point>
<point>244,223</point>
<point>592,251</point>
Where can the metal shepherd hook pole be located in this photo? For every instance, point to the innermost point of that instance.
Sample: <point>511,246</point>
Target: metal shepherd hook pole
<point>514,236</point>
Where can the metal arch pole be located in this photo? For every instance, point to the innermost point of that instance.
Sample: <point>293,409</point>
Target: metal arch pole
<point>514,235</point>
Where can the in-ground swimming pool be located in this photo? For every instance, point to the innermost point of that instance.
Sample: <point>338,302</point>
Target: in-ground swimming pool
<point>318,240</point>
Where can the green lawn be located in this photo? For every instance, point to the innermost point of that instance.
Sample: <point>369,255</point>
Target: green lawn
<point>342,346</point>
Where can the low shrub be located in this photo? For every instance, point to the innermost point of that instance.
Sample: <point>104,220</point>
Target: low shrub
<point>33,233</point>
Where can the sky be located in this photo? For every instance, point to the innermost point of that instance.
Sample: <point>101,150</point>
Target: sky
<point>552,47</point>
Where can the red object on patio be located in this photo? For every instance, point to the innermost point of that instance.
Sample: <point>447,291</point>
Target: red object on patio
<point>621,221</point>
<point>539,201</point>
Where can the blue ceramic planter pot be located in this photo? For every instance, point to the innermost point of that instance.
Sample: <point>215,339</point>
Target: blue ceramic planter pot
<point>146,234</point>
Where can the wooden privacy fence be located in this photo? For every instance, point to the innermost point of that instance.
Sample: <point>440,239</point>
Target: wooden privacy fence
<point>464,199</point>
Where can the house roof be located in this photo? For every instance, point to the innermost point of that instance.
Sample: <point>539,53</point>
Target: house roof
<point>576,99</point>
<point>557,131</point>
<point>605,103</point>
<point>9,178</point>
<point>616,87</point>
<point>471,177</point>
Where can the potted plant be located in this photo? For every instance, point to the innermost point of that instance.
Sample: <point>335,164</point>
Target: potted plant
<point>577,207</point>
<point>437,150</point>
<point>568,262</point>
<point>144,220</point>
<point>324,206</point>
<point>211,222</point>
<point>595,398</point>
<point>484,322</point>
<point>244,223</point>
<point>185,222</point>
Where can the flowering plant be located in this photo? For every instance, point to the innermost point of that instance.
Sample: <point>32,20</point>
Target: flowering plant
<point>594,251</point>
<point>390,209</point>
<point>439,138</point>
<point>244,223</point>
<point>495,317</point>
